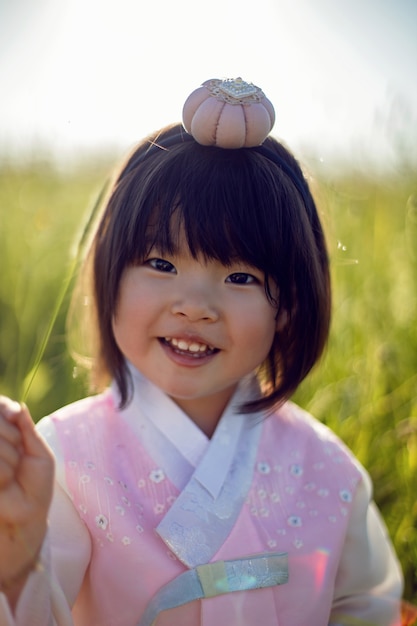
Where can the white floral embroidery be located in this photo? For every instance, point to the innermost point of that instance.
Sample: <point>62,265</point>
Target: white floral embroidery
<point>110,537</point>
<point>120,509</point>
<point>264,468</point>
<point>122,484</point>
<point>332,519</point>
<point>301,504</point>
<point>102,521</point>
<point>272,543</point>
<point>139,528</point>
<point>294,521</point>
<point>157,475</point>
<point>82,508</point>
<point>298,543</point>
<point>108,480</point>
<point>72,464</point>
<point>323,493</point>
<point>345,495</point>
<point>264,512</point>
<point>296,470</point>
<point>141,483</point>
<point>85,478</point>
<point>90,465</point>
<point>126,541</point>
<point>262,494</point>
<point>126,501</point>
<point>275,497</point>
<point>158,509</point>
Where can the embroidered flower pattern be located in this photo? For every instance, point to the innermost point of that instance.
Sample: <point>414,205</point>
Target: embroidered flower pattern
<point>102,521</point>
<point>296,470</point>
<point>294,521</point>
<point>157,476</point>
<point>345,495</point>
<point>264,468</point>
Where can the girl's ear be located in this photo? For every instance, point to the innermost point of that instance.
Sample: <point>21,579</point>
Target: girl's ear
<point>281,320</point>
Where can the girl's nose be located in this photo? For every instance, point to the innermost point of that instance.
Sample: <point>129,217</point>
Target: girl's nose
<point>196,307</point>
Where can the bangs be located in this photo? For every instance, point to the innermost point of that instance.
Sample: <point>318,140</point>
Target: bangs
<point>220,200</point>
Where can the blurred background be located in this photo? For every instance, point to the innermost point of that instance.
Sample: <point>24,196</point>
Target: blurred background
<point>82,80</point>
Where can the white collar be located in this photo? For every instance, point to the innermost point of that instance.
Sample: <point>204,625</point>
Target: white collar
<point>174,441</point>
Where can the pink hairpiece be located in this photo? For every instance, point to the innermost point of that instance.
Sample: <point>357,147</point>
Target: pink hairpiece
<point>228,113</point>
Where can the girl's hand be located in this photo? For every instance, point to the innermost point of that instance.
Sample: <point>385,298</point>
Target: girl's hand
<point>26,484</point>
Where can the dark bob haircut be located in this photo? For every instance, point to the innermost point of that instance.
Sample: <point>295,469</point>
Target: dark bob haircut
<point>249,204</point>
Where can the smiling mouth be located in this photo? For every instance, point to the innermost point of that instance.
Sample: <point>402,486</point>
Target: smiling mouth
<point>189,348</point>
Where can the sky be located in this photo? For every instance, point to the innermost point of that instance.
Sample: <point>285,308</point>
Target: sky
<point>81,75</point>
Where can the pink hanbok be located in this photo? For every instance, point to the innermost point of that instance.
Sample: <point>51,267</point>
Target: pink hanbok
<point>270,522</point>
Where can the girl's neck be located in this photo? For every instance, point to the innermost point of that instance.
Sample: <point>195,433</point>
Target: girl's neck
<point>206,412</point>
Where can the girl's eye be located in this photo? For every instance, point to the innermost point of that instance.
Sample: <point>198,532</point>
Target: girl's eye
<point>161,265</point>
<point>241,278</point>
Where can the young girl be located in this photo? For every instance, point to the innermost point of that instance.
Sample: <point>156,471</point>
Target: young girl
<point>191,491</point>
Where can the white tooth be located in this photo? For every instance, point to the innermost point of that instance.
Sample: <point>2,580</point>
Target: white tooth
<point>174,342</point>
<point>194,347</point>
<point>182,345</point>
<point>203,347</point>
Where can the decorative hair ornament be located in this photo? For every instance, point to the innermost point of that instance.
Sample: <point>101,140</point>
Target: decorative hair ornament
<point>228,113</point>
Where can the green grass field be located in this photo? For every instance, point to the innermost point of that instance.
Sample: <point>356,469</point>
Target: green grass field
<point>366,385</point>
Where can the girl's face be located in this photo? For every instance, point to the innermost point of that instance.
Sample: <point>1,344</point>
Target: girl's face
<point>194,328</point>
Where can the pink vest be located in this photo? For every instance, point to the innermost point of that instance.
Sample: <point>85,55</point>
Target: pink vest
<point>297,501</point>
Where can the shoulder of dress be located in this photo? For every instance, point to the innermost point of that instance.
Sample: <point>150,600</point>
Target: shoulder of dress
<point>294,423</point>
<point>86,407</point>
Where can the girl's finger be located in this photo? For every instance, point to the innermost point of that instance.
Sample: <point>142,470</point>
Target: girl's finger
<point>32,443</point>
<point>9,455</point>
<point>9,408</point>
